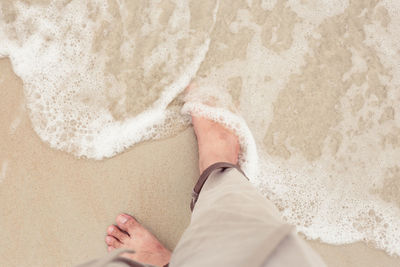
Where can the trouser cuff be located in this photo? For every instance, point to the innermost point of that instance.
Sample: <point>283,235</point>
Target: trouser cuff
<point>204,176</point>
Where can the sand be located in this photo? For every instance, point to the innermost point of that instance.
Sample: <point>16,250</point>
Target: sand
<point>55,208</point>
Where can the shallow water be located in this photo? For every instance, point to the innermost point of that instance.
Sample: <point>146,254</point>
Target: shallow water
<point>317,83</point>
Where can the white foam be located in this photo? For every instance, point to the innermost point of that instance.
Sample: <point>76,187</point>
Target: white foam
<point>67,85</point>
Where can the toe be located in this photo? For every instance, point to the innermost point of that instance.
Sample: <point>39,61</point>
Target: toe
<point>113,242</point>
<point>110,248</point>
<point>114,231</point>
<point>126,223</point>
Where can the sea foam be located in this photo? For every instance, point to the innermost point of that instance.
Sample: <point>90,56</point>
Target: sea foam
<point>73,98</point>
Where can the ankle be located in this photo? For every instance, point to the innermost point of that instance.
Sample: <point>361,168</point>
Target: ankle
<point>212,158</point>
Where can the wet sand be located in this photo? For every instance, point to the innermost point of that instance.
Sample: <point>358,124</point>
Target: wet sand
<point>55,208</point>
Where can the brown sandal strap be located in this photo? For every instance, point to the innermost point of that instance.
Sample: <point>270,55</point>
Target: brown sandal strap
<point>204,176</point>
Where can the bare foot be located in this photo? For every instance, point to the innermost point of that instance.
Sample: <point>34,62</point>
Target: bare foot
<point>216,143</point>
<point>130,234</point>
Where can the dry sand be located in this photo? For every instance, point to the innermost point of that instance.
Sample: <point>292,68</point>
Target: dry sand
<point>55,208</point>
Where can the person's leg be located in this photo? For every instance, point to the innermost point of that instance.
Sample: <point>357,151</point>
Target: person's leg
<point>232,223</point>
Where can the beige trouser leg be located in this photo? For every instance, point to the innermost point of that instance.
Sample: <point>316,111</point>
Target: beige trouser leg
<point>233,225</point>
